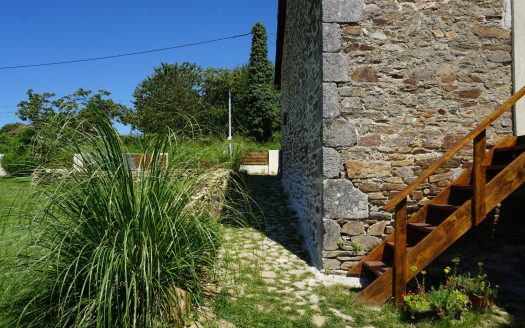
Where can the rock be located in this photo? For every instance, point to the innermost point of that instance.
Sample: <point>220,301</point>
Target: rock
<point>331,264</point>
<point>344,201</point>
<point>492,32</point>
<point>469,94</point>
<point>341,315</point>
<point>370,140</point>
<point>364,74</point>
<point>353,228</point>
<point>378,35</point>
<point>352,30</point>
<point>318,320</point>
<point>330,100</point>
<point>350,104</point>
<point>179,302</point>
<point>331,37</point>
<point>342,11</point>
<point>268,275</point>
<point>366,242</point>
<point>331,163</point>
<point>377,229</point>
<point>339,133</point>
<point>335,67</point>
<point>367,169</point>
<point>499,57</point>
<point>332,234</point>
<point>348,265</point>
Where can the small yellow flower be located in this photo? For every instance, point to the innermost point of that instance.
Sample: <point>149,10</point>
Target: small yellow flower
<point>447,269</point>
<point>423,272</point>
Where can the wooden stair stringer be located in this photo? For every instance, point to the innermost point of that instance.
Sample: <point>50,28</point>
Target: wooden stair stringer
<point>448,232</point>
<point>464,178</point>
<point>378,291</point>
<point>460,222</point>
<point>377,252</point>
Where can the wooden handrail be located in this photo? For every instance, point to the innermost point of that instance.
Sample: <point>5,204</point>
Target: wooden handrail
<point>457,147</point>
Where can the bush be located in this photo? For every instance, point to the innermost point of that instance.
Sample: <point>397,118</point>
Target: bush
<point>111,245</point>
<point>18,165</point>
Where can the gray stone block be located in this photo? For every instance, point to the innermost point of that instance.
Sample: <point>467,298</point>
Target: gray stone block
<point>335,67</point>
<point>331,163</point>
<point>366,242</point>
<point>339,133</point>
<point>377,229</point>
<point>351,104</point>
<point>353,228</point>
<point>342,11</point>
<point>330,100</point>
<point>343,201</point>
<point>331,37</point>
<point>332,264</point>
<point>332,234</point>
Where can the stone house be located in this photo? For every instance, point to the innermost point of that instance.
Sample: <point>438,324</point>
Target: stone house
<point>373,92</point>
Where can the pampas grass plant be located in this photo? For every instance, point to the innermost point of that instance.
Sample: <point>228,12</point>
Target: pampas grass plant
<point>109,243</point>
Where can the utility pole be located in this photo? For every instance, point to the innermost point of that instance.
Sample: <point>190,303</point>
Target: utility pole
<point>230,150</point>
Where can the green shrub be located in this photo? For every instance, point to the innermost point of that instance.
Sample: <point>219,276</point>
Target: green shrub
<point>110,244</point>
<point>18,165</point>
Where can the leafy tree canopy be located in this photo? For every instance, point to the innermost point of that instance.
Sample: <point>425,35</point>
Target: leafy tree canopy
<point>169,98</point>
<point>262,106</point>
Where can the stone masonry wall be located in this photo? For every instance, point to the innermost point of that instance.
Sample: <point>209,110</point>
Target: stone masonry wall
<point>403,81</point>
<point>302,119</point>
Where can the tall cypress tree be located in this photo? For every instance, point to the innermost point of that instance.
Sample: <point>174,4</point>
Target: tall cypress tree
<point>262,99</point>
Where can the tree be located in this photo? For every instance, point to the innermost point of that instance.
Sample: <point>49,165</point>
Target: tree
<point>262,110</point>
<point>218,82</point>
<point>51,118</point>
<point>169,98</point>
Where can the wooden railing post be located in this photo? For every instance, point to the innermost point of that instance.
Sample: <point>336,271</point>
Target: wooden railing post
<point>400,256</point>
<point>479,178</point>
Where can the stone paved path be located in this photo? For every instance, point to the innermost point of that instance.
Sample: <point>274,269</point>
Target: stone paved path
<point>270,253</point>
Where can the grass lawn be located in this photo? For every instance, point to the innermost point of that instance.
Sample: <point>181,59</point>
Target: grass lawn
<point>16,202</point>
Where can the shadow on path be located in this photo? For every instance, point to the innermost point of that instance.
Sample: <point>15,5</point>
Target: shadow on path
<point>272,214</point>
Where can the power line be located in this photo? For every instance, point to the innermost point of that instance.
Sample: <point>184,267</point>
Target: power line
<point>125,54</point>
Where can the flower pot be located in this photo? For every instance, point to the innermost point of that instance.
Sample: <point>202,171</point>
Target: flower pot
<point>481,303</point>
<point>420,315</point>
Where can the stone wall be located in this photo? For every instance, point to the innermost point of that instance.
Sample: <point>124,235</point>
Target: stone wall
<point>403,81</point>
<point>302,119</point>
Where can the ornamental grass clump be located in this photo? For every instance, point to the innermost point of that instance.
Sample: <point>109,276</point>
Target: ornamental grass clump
<point>112,243</point>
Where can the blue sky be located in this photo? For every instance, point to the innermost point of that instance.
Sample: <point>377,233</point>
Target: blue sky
<point>36,31</point>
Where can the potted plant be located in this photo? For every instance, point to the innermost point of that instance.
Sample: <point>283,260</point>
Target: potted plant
<point>418,306</point>
<point>480,292</point>
<point>447,299</point>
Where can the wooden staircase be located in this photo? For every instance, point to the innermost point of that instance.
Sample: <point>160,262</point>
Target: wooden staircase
<point>418,240</point>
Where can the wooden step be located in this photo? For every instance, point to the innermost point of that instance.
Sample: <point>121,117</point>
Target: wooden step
<point>437,213</point>
<point>376,267</point>
<point>493,170</point>
<point>392,245</point>
<point>505,155</point>
<point>421,226</point>
<point>389,253</point>
<point>459,194</point>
